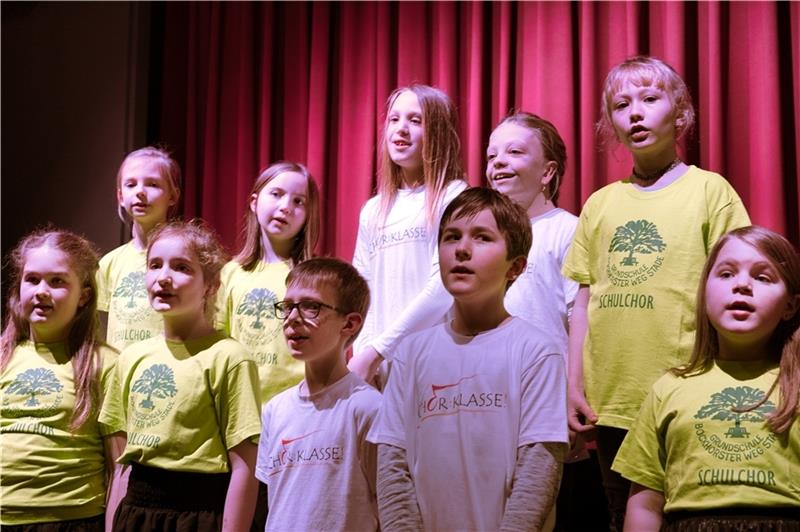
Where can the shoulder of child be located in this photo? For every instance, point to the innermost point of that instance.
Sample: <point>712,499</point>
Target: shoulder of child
<point>531,338</point>
<point>116,254</point>
<point>413,345</point>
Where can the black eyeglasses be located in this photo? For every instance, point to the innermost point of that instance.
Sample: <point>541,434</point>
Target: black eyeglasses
<point>308,309</point>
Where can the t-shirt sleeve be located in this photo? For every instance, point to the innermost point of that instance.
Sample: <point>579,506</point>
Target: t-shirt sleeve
<point>576,264</point>
<point>237,403</point>
<point>222,311</point>
<point>727,211</point>
<point>264,443</point>
<point>362,264</point>
<point>642,456</point>
<point>113,414</point>
<point>102,278</point>
<point>544,401</point>
<point>569,286</point>
<point>389,426</point>
<point>109,361</point>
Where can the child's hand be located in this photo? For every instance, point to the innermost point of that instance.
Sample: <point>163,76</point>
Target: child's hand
<point>365,364</point>
<point>580,416</point>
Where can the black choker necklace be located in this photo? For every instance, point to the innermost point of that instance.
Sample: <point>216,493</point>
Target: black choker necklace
<point>658,173</point>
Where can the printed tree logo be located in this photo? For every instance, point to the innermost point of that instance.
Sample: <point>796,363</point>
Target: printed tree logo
<point>636,236</point>
<point>728,404</point>
<point>33,382</point>
<point>158,380</point>
<point>257,303</point>
<point>132,286</point>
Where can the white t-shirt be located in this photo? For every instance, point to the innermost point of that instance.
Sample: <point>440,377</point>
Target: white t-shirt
<point>541,295</point>
<point>461,407</point>
<point>400,262</point>
<point>314,456</point>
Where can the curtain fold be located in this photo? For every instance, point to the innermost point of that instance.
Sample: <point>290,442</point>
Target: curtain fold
<point>244,85</point>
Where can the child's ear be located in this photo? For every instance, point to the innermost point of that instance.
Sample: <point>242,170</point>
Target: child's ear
<point>517,267</point>
<point>119,196</point>
<point>549,172</point>
<point>253,202</point>
<point>791,307</point>
<point>86,294</point>
<point>352,325</point>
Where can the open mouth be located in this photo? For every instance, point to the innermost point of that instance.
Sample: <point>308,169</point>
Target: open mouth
<point>501,176</point>
<point>401,143</point>
<point>741,306</point>
<point>639,132</point>
<point>461,270</point>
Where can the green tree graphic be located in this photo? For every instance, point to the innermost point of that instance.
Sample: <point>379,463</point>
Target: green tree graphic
<point>724,405</point>
<point>132,286</point>
<point>33,382</point>
<point>157,380</point>
<point>639,236</point>
<point>257,303</point>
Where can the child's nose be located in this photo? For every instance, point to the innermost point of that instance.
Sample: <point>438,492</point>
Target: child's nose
<point>743,284</point>
<point>636,111</point>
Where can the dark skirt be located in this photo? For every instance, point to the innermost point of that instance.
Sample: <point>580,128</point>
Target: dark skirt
<point>162,500</point>
<point>87,524</point>
<point>747,519</point>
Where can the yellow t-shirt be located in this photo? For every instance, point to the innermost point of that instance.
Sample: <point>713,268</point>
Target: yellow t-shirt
<point>245,312</point>
<point>183,405</point>
<point>642,254</point>
<point>689,443</point>
<point>121,291</point>
<point>48,473</point>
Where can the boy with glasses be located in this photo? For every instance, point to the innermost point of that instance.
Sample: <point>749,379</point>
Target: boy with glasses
<point>313,453</point>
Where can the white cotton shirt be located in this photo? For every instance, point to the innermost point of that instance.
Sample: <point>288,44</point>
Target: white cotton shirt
<point>400,262</point>
<point>541,295</point>
<point>314,456</point>
<point>461,407</point>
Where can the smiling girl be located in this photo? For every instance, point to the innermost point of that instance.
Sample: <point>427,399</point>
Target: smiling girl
<point>420,173</point>
<point>148,189</point>
<point>715,445</point>
<point>53,374</point>
<point>183,406</point>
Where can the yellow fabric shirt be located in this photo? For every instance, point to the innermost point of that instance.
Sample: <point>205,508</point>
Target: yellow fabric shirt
<point>642,254</point>
<point>245,312</point>
<point>48,473</point>
<point>183,405</point>
<point>690,444</point>
<point>121,292</point>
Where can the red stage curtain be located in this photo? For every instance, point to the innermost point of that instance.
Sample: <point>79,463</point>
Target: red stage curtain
<point>244,85</point>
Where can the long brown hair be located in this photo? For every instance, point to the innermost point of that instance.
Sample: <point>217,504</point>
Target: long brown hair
<point>784,345</point>
<point>304,242</point>
<point>441,151</point>
<point>82,341</point>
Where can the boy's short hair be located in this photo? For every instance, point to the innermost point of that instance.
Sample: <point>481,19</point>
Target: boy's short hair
<point>352,291</point>
<point>511,219</point>
<point>644,70</point>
